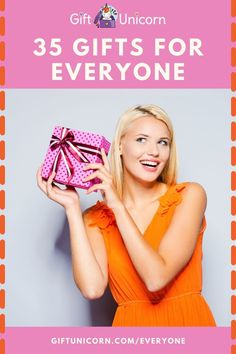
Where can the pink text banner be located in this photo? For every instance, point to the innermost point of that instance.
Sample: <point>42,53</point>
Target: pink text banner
<point>108,340</point>
<point>146,44</point>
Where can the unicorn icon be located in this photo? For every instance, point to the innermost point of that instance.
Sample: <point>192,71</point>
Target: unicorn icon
<point>106,17</point>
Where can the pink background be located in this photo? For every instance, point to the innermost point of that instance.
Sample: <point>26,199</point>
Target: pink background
<point>37,340</point>
<point>207,20</point>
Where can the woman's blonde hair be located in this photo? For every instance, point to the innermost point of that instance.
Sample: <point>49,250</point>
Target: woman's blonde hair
<point>169,173</point>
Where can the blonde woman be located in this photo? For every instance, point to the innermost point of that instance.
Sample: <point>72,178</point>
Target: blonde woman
<point>145,237</point>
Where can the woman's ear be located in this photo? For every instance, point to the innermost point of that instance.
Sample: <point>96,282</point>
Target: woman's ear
<point>120,149</point>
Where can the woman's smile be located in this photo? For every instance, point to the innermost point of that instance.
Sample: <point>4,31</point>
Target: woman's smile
<point>150,165</point>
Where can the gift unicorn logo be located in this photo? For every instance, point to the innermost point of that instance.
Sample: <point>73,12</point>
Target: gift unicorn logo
<point>106,17</point>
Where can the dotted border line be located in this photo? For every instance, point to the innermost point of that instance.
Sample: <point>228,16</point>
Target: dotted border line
<point>2,178</point>
<point>233,173</point>
<point>2,175</point>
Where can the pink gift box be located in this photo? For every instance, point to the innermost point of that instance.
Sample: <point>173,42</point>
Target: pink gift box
<point>69,151</point>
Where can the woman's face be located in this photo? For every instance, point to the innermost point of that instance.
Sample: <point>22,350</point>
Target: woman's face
<point>145,149</point>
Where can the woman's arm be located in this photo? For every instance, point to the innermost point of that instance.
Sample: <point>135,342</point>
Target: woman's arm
<point>89,260</point>
<point>158,268</point>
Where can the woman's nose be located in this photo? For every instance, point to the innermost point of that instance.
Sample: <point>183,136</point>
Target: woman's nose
<point>153,149</point>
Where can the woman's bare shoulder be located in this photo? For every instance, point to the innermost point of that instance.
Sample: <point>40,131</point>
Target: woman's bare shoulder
<point>195,188</point>
<point>194,194</point>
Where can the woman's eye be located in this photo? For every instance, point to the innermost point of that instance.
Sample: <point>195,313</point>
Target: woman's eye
<point>163,142</point>
<point>141,140</point>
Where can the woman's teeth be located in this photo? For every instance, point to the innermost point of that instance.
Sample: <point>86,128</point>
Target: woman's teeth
<point>149,163</point>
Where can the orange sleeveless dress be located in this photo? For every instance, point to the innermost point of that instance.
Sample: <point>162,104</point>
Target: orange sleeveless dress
<point>180,303</point>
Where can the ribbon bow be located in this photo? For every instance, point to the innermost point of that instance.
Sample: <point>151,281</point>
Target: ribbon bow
<point>67,143</point>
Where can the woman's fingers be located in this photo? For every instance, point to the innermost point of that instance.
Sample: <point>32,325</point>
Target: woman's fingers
<point>98,174</point>
<point>49,187</point>
<point>65,197</point>
<point>95,187</point>
<point>102,171</point>
<point>105,159</point>
<point>98,166</point>
<point>39,171</point>
<point>42,184</point>
<point>93,166</point>
<point>40,181</point>
<point>38,175</point>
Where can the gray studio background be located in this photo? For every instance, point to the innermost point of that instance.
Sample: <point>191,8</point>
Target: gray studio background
<point>40,287</point>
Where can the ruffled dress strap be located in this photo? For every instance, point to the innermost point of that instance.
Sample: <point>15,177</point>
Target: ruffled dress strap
<point>100,215</point>
<point>171,197</point>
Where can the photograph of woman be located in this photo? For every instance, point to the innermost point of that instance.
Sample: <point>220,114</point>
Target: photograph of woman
<point>144,238</point>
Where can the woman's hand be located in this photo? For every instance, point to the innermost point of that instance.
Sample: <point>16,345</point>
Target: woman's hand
<point>67,197</point>
<point>106,187</point>
<point>88,251</point>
